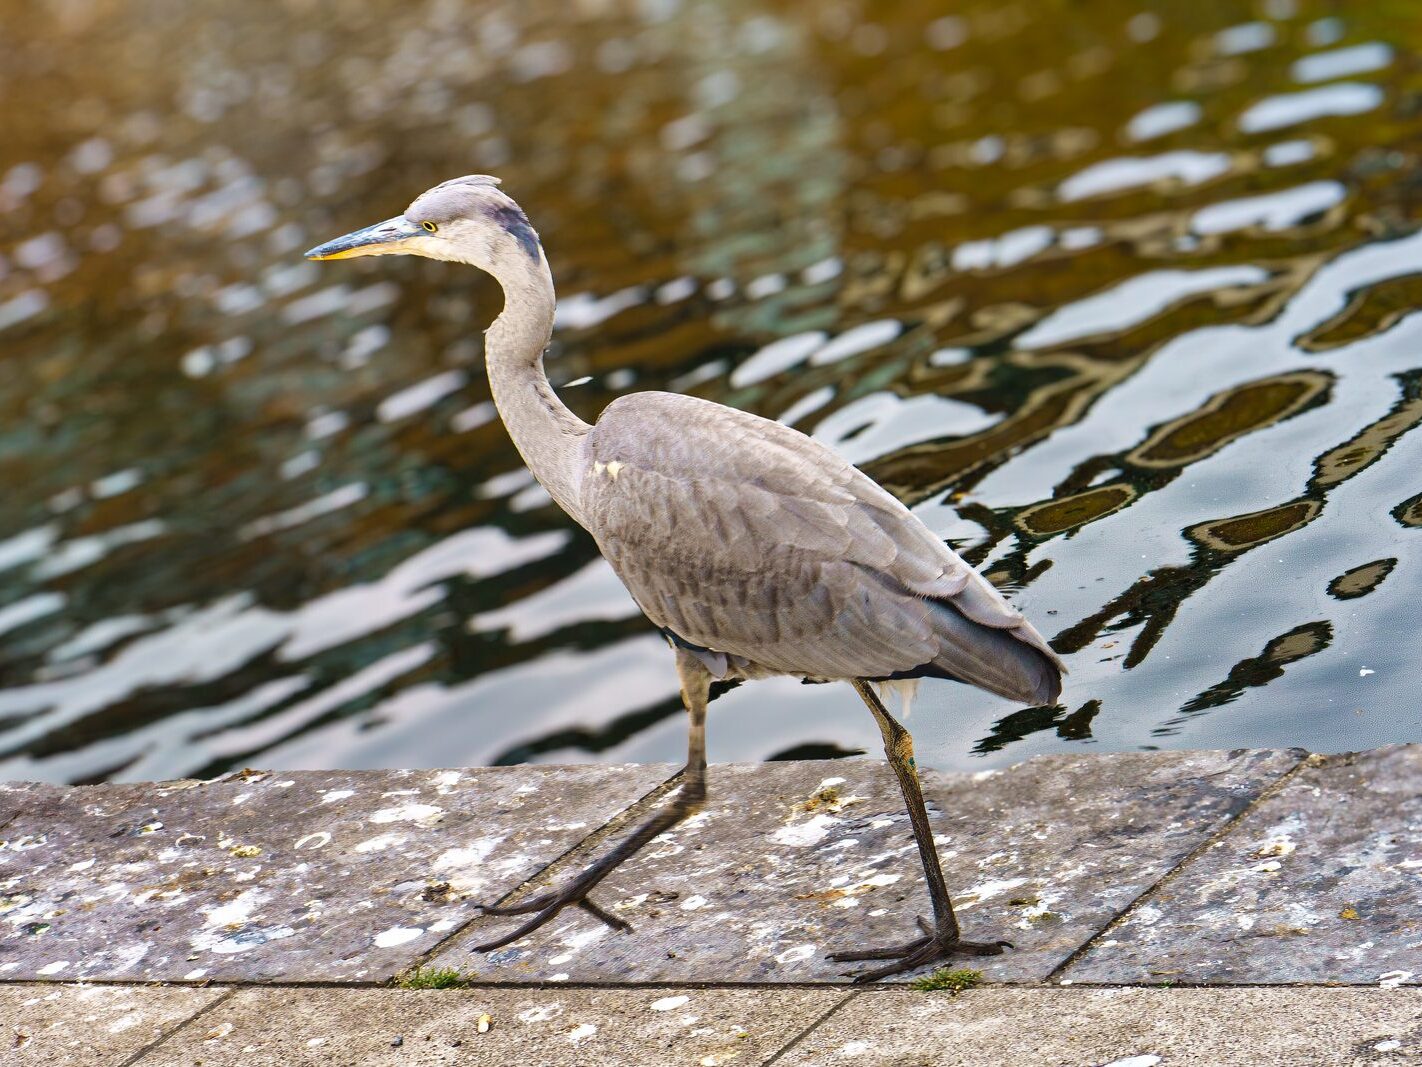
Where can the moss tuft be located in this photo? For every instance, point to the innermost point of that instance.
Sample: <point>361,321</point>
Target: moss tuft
<point>433,978</point>
<point>951,979</point>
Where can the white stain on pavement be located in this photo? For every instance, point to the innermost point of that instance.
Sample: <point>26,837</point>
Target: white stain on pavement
<point>423,814</point>
<point>803,835</point>
<point>580,1033</point>
<point>398,935</point>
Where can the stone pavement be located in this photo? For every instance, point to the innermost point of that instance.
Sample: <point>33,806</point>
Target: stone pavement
<point>67,1025</point>
<point>1166,908</point>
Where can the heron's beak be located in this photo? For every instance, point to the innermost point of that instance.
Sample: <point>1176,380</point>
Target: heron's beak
<point>382,239</point>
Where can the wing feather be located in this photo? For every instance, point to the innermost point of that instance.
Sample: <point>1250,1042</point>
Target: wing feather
<point>748,538</point>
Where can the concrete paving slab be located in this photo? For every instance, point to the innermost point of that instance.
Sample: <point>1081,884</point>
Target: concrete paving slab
<point>52,1025</point>
<point>998,1027</point>
<point>1322,882</point>
<point>314,876</point>
<point>791,861</point>
<point>550,1027</point>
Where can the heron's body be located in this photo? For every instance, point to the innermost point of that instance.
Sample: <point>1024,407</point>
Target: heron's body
<point>755,549</point>
<point>771,554</point>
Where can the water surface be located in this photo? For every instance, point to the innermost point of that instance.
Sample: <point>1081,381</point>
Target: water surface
<point>1119,298</point>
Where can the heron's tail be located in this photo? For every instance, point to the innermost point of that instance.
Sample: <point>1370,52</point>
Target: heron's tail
<point>1013,661</point>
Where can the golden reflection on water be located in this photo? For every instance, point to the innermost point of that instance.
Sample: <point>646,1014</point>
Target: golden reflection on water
<point>1069,512</point>
<point>1120,299</point>
<point>1229,415</point>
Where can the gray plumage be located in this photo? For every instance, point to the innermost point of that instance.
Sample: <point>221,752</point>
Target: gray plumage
<point>747,538</point>
<point>755,549</point>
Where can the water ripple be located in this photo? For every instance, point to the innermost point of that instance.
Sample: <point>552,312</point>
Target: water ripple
<point>1121,304</point>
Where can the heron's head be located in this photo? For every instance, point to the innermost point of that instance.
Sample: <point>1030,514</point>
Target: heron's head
<point>466,219</point>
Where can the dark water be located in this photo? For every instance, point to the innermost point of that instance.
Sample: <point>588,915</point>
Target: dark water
<point>1119,297</point>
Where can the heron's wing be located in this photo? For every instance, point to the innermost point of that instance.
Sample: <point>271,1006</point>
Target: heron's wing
<point>747,537</point>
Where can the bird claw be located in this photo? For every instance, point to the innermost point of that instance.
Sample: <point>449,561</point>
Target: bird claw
<point>543,908</point>
<point>546,905</point>
<point>933,946</point>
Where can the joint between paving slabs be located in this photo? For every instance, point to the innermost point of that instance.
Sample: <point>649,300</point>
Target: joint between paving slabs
<point>158,1041</point>
<point>615,825</point>
<point>815,1024</point>
<point>1306,759</point>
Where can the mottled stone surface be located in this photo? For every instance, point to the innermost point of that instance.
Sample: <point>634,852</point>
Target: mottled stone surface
<point>53,1025</point>
<point>1081,1027</point>
<point>551,1027</point>
<point>334,876</point>
<point>1322,882</point>
<point>791,861</point>
<point>16,797</point>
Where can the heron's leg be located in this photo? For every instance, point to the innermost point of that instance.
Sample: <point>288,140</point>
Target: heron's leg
<point>942,938</point>
<point>695,692</point>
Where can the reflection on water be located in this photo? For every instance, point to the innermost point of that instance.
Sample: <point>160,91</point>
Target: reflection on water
<point>1120,301</point>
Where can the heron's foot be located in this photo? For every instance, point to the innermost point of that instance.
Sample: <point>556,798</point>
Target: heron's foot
<point>547,905</point>
<point>934,945</point>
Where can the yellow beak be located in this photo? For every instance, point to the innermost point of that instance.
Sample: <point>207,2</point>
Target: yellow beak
<point>382,239</point>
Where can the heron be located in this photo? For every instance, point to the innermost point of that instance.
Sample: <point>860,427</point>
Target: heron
<point>755,550</point>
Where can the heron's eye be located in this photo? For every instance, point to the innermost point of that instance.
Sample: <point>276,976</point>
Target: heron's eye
<point>429,226</point>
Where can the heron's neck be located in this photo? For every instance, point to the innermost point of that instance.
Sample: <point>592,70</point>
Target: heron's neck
<point>546,433</point>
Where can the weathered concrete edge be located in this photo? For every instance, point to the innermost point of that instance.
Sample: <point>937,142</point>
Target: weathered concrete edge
<point>638,809</point>
<point>574,857</point>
